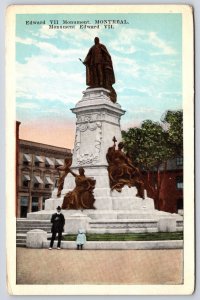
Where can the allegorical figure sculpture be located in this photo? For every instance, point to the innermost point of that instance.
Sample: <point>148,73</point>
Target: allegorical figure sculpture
<point>82,196</point>
<point>99,69</point>
<point>121,170</point>
<point>63,171</point>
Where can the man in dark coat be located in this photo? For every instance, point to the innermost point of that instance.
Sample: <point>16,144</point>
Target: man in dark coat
<point>58,222</point>
<point>99,68</point>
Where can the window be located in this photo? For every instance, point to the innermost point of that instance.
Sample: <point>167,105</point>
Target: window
<point>23,206</point>
<point>56,182</point>
<point>47,186</point>
<point>37,181</point>
<point>34,204</point>
<point>48,162</point>
<point>26,159</point>
<point>59,162</point>
<point>25,180</point>
<point>179,182</point>
<point>48,182</point>
<point>179,161</point>
<point>38,160</point>
<point>25,183</point>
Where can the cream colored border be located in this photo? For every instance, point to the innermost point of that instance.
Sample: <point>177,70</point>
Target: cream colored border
<point>188,99</point>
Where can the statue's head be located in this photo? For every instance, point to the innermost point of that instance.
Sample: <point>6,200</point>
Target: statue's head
<point>81,171</point>
<point>96,40</point>
<point>121,145</point>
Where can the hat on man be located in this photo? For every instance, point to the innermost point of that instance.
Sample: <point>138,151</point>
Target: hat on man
<point>58,208</point>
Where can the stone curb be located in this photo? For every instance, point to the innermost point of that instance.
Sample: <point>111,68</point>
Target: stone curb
<point>123,245</point>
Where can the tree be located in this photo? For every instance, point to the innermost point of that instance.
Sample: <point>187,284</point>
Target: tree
<point>174,122</point>
<point>152,145</point>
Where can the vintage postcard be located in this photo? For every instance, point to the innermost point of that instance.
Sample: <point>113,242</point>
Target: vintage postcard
<point>100,150</point>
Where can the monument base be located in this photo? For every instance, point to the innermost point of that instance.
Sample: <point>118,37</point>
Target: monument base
<point>116,212</point>
<point>97,122</point>
<point>115,221</point>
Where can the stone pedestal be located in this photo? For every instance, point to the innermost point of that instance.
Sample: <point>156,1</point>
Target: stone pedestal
<point>167,224</point>
<point>52,203</point>
<point>127,200</point>
<point>98,120</point>
<point>35,238</point>
<point>75,222</point>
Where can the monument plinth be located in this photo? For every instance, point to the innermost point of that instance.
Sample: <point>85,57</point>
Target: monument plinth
<point>97,120</point>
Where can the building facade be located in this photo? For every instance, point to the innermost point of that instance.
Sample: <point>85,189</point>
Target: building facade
<point>170,191</point>
<point>37,174</point>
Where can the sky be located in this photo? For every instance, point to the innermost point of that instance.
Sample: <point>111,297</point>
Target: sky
<point>147,61</point>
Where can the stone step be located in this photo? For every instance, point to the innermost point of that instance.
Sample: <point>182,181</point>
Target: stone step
<point>123,224</point>
<point>137,245</point>
<point>179,223</point>
<point>21,244</point>
<point>25,230</point>
<point>33,227</point>
<point>28,223</point>
<point>21,241</point>
<point>121,230</point>
<point>179,228</point>
<point>34,222</point>
<point>31,220</point>
<point>21,234</point>
<point>25,225</point>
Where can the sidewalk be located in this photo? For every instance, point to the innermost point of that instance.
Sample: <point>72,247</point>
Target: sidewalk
<point>42,266</point>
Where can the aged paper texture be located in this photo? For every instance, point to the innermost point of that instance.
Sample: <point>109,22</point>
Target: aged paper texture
<point>151,47</point>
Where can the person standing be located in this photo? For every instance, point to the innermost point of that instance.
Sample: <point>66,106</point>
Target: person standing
<point>58,222</point>
<point>80,239</point>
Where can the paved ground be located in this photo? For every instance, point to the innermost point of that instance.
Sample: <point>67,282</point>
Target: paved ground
<point>42,266</point>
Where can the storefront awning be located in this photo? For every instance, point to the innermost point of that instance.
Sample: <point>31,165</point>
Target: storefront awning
<point>26,157</point>
<point>59,162</point>
<point>26,177</point>
<point>48,180</point>
<point>39,159</point>
<point>48,161</point>
<point>37,179</point>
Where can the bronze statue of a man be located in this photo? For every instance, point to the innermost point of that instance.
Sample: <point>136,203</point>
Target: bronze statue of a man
<point>99,69</point>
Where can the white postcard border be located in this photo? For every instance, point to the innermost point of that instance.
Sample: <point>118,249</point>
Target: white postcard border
<point>188,92</point>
